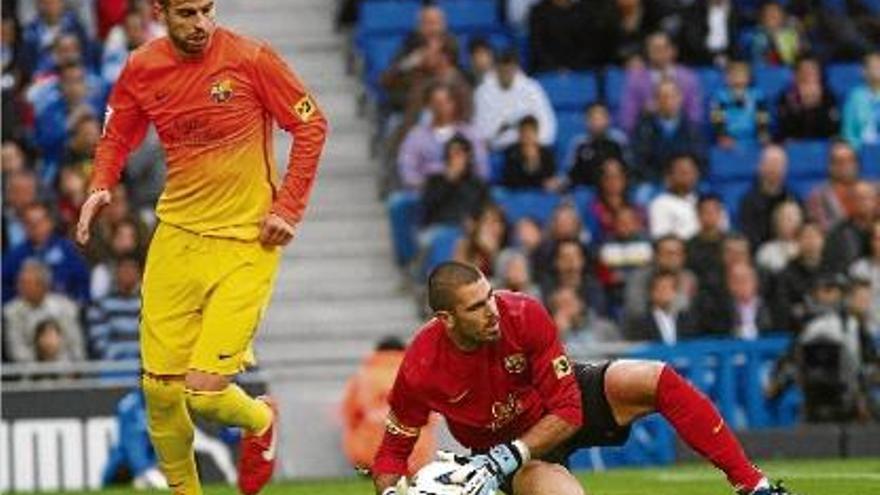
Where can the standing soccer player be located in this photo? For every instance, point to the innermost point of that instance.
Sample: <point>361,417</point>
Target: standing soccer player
<point>223,219</point>
<point>493,366</point>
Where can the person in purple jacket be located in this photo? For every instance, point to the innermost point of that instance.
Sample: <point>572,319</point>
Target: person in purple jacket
<point>641,82</point>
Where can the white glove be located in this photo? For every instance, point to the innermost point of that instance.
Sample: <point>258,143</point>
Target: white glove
<point>401,488</point>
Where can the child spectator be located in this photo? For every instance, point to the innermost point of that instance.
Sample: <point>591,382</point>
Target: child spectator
<point>738,112</point>
<point>626,250</point>
<point>528,164</point>
<point>588,151</point>
<point>777,40</point>
<point>861,115</point>
<point>612,196</point>
<point>114,319</point>
<point>775,254</point>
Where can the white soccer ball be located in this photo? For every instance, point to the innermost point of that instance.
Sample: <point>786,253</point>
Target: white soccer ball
<point>433,479</point>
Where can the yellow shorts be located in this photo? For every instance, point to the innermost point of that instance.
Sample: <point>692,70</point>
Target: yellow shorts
<point>203,298</point>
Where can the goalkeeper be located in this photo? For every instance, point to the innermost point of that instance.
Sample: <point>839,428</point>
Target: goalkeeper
<point>493,366</point>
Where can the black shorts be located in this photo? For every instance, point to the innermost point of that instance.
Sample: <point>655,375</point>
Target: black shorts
<point>599,429</point>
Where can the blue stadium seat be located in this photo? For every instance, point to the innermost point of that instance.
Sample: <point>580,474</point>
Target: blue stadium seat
<point>496,166</point>
<point>521,204</point>
<point>711,80</point>
<point>569,125</point>
<point>470,15</point>
<point>733,165</point>
<point>870,159</point>
<point>801,187</point>
<point>379,51</point>
<point>731,194</point>
<point>570,90</point>
<point>386,17</point>
<point>842,78</point>
<point>613,82</point>
<point>772,80</point>
<point>442,248</point>
<point>807,159</point>
<point>405,213</point>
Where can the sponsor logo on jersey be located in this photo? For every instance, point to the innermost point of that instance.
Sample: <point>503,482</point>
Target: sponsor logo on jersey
<point>221,91</point>
<point>515,363</point>
<point>304,108</point>
<point>561,367</point>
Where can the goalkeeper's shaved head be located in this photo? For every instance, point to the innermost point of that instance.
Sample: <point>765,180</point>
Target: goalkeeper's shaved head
<point>445,279</point>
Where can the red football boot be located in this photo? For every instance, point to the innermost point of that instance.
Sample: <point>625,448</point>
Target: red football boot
<point>256,456</point>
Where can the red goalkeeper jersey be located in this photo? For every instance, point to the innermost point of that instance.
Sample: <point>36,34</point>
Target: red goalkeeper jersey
<point>491,395</point>
<point>214,115</point>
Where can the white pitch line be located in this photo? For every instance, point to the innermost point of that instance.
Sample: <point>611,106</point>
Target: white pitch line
<point>776,474</point>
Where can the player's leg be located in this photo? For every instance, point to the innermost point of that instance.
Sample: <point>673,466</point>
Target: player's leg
<point>231,315</point>
<point>170,324</point>
<point>636,388</point>
<point>545,478</point>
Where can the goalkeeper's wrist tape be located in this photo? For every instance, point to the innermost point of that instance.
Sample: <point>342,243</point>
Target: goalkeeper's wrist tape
<point>389,491</point>
<point>507,458</point>
<point>520,447</point>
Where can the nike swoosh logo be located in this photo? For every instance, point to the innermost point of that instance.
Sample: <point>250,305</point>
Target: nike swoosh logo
<point>717,429</point>
<point>458,398</point>
<point>269,454</point>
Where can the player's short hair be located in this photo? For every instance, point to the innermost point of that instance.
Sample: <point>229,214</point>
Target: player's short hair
<point>445,279</point>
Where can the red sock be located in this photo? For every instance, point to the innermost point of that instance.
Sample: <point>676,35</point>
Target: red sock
<point>700,425</point>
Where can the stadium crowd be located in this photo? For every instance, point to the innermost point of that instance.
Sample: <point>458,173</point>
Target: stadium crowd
<point>60,303</point>
<point>653,170</point>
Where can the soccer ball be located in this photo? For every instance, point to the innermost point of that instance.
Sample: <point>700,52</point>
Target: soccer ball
<point>433,479</point>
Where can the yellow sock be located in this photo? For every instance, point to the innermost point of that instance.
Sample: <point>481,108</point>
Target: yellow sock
<point>232,407</point>
<point>171,431</point>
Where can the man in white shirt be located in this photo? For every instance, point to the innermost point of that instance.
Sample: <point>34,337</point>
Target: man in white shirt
<point>504,98</point>
<point>674,211</point>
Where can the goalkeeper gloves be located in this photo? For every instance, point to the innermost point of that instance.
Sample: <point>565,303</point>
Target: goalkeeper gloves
<point>485,473</point>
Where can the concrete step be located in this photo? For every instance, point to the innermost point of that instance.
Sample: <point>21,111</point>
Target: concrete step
<point>289,291</point>
<point>341,230</point>
<point>287,332</point>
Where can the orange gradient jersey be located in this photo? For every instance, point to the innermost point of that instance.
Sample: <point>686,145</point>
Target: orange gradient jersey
<point>214,115</point>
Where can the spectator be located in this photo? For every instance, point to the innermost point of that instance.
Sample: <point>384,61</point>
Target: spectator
<point>612,197</point>
<point>528,239</point>
<point>53,19</point>
<point>748,313</point>
<point>571,269</point>
<point>517,13</point>
<point>49,345</point>
<point>588,151</point>
<point>13,157</point>
<point>640,92</point>
<point>623,253</point>
<point>564,225</point>
<point>421,153</point>
<point>868,269</point>
<point>579,325</point>
<point>114,319</point>
<point>739,113</point>
<point>33,305</point>
<point>850,239</point>
<point>481,58</point>
<point>124,243</point>
<point>831,201</point>
<point>708,33</point>
<point>21,191</point>
<point>861,114</point>
<point>757,205</point>
<point>365,408</point>
<point>807,110</point>
<point>422,43</point>
<point>133,454</point>
<point>528,164</point>
<point>101,244</point>
<point>122,40</point>
<point>515,274</point>
<point>623,25</point>
<point>504,98</point>
<point>775,254</point>
<point>777,40</point>
<point>70,275</point>
<point>798,279</point>
<point>704,248</point>
<point>558,35</point>
<point>674,211</point>
<point>664,322</point>
<point>85,130</point>
<point>55,120</point>
<point>456,194</point>
<point>66,50</point>
<point>669,256</point>
<point>72,190</point>
<point>665,133</point>
<point>485,237</point>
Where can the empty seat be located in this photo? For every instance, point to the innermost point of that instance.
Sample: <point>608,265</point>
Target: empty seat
<point>521,204</point>
<point>736,164</point>
<point>569,124</point>
<point>387,16</point>
<point>569,90</point>
<point>614,80</point>
<point>772,81</point>
<point>470,15</point>
<point>842,78</point>
<point>870,158</point>
<point>807,159</point>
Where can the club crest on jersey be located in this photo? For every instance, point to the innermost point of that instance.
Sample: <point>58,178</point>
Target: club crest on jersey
<point>561,367</point>
<point>221,91</point>
<point>515,363</point>
<point>304,108</point>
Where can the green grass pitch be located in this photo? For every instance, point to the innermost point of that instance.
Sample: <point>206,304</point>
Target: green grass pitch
<point>835,477</point>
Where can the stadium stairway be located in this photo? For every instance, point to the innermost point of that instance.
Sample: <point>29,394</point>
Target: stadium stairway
<point>338,290</point>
